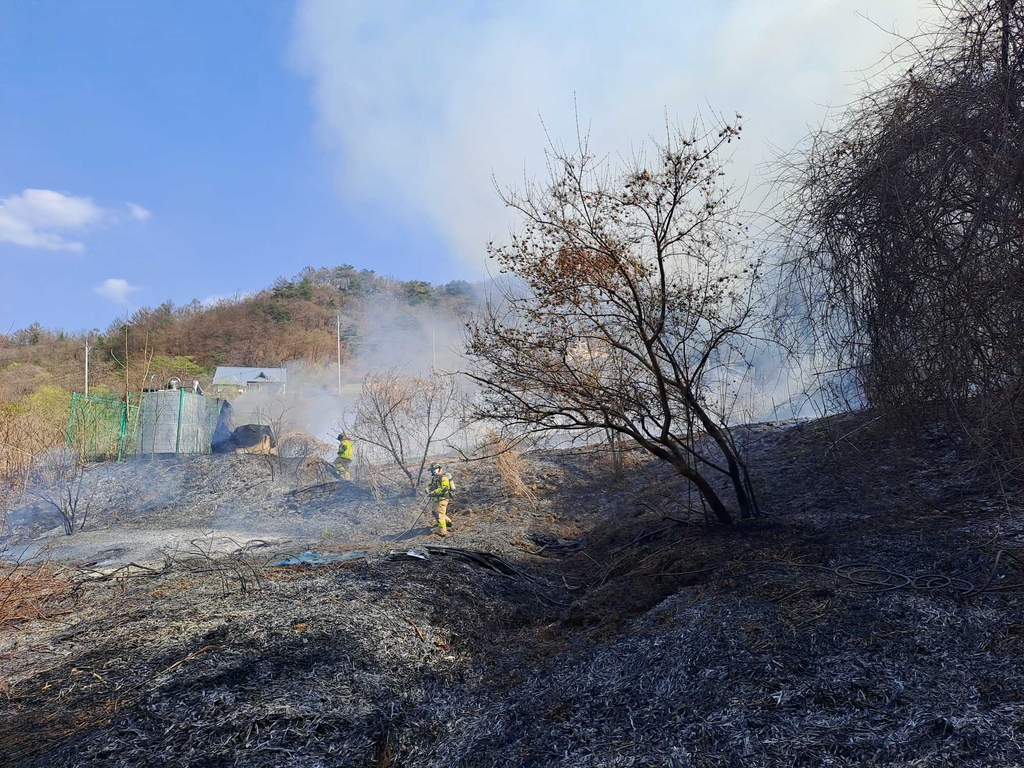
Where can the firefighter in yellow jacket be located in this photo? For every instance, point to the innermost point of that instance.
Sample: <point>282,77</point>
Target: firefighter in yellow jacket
<point>440,493</point>
<point>346,454</point>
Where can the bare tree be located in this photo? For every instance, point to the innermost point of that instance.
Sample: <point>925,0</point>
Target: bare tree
<point>56,480</point>
<point>631,288</point>
<point>407,417</point>
<point>904,228</point>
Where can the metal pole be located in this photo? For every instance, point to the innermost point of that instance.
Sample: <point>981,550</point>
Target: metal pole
<point>433,350</point>
<point>124,426</point>
<point>181,407</point>
<point>126,325</point>
<point>339,354</point>
<point>87,365</point>
<point>71,419</point>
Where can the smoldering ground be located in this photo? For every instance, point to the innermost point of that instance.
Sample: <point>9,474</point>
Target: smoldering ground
<point>838,631</point>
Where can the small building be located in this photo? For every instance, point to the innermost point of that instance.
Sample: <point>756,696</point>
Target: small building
<point>233,380</point>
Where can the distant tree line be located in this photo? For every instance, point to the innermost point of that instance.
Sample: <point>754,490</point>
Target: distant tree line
<point>294,319</point>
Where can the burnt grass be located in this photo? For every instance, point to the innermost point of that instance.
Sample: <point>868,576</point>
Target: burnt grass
<point>873,616</point>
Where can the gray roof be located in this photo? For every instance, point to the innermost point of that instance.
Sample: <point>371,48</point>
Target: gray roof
<point>230,374</point>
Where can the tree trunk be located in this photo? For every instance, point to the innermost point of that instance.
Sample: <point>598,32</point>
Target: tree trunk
<point>708,494</point>
<point>735,467</point>
<point>616,455</point>
<point>742,498</point>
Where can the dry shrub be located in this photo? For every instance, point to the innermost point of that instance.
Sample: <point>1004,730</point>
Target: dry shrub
<point>236,566</point>
<point>906,219</point>
<point>14,467</point>
<point>298,444</point>
<point>31,425</point>
<point>618,459</point>
<point>308,452</point>
<point>28,428</point>
<point>12,493</point>
<point>406,418</point>
<point>631,458</point>
<point>374,478</point>
<point>29,589</point>
<point>57,481</point>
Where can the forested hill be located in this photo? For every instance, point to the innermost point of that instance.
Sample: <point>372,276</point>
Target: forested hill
<point>295,319</point>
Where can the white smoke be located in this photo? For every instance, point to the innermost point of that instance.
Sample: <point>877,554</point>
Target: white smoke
<point>392,336</point>
<point>423,105</point>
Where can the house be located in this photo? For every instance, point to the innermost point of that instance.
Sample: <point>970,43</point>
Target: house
<point>230,380</point>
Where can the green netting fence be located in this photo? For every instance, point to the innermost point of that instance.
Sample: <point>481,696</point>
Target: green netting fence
<point>173,421</point>
<point>177,421</point>
<point>102,426</point>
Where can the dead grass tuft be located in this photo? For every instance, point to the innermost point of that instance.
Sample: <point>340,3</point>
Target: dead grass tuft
<point>511,467</point>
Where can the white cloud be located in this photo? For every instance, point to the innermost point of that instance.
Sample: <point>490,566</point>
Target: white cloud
<point>422,102</point>
<point>28,219</point>
<point>115,289</point>
<point>138,212</point>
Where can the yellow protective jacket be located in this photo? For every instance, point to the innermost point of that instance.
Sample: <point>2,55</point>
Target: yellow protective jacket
<point>345,450</point>
<point>440,487</point>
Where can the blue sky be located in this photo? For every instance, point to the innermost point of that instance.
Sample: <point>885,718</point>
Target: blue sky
<point>190,110</point>
<point>255,138</point>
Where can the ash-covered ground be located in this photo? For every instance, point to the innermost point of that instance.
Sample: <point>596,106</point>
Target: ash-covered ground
<point>872,617</point>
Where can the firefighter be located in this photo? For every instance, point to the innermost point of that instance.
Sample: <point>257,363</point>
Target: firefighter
<point>440,493</point>
<point>345,455</point>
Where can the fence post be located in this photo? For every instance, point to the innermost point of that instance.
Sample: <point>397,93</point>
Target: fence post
<point>71,417</point>
<point>122,428</point>
<point>181,407</point>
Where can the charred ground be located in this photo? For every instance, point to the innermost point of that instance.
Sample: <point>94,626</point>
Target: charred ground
<point>871,617</point>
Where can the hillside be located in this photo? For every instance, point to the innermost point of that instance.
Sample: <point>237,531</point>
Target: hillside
<point>873,617</point>
<point>384,323</point>
<point>295,319</point>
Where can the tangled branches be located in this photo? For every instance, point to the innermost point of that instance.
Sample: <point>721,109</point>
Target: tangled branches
<point>404,418</point>
<point>906,227</point>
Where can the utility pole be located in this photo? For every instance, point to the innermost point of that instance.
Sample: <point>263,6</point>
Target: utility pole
<point>126,390</point>
<point>87,348</point>
<point>339,354</point>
